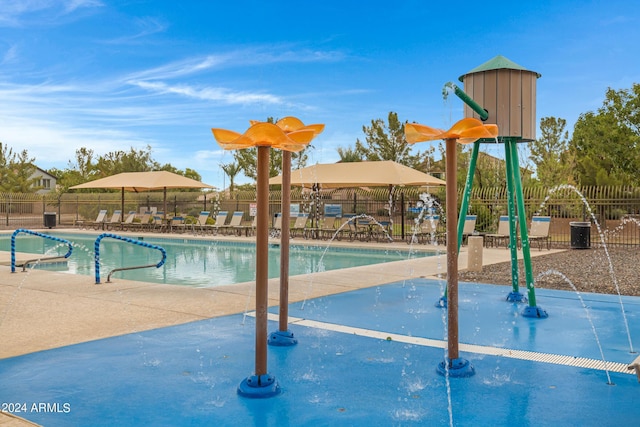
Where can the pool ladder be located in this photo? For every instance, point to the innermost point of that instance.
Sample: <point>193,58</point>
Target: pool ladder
<point>128,240</point>
<point>30,261</point>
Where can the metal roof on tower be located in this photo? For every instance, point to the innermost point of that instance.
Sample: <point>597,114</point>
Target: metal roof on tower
<point>497,63</point>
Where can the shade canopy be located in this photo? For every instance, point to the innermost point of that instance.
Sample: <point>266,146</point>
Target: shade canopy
<point>143,181</point>
<point>359,174</point>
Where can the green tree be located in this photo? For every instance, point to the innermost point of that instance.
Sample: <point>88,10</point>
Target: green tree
<point>387,142</point>
<point>87,168</point>
<point>23,168</point>
<point>348,155</point>
<point>232,170</point>
<point>606,143</point>
<point>16,170</point>
<point>550,153</point>
<point>126,161</point>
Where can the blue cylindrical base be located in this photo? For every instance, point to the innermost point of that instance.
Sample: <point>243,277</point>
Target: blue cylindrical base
<point>536,312</point>
<point>516,297</point>
<point>259,386</point>
<point>456,368</point>
<point>282,338</point>
<point>442,302</point>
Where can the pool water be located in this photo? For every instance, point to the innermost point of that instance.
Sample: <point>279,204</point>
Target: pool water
<point>197,263</point>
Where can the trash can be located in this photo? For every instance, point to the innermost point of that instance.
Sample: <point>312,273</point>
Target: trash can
<point>49,219</point>
<point>580,235</point>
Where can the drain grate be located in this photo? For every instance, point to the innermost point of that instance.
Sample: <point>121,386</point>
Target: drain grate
<point>557,359</point>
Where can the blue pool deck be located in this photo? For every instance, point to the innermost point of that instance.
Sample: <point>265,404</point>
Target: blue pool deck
<point>366,356</point>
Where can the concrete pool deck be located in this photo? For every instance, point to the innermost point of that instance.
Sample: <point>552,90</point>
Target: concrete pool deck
<point>45,314</point>
<point>44,309</point>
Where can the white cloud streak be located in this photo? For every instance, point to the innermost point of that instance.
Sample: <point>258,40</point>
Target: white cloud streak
<point>16,13</point>
<point>209,93</point>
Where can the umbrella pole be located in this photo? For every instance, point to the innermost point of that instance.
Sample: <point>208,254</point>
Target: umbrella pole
<point>284,337</point>
<point>261,384</point>
<point>122,205</point>
<point>165,204</point>
<point>452,365</point>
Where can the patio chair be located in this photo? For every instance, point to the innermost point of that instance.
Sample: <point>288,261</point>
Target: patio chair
<point>201,223</point>
<point>276,228</point>
<point>99,222</point>
<point>236,221</point>
<point>427,231</point>
<point>143,224</point>
<point>496,239</point>
<point>469,226</point>
<point>382,231</point>
<point>343,227</point>
<point>221,218</point>
<point>300,225</point>
<point>248,229</point>
<point>128,221</point>
<point>539,231</point>
<point>362,229</point>
<point>157,223</point>
<point>116,217</point>
<point>329,226</point>
<point>177,224</point>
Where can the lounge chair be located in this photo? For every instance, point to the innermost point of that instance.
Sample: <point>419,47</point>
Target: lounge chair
<point>248,229</point>
<point>361,229</point>
<point>323,227</point>
<point>496,239</point>
<point>201,223</point>
<point>469,226</point>
<point>116,217</point>
<point>276,228</point>
<point>539,231</point>
<point>143,224</point>
<point>344,227</point>
<point>236,220</point>
<point>157,223</point>
<point>128,221</point>
<point>99,222</point>
<point>300,225</point>
<point>328,227</point>
<point>177,224</point>
<point>221,218</point>
<point>427,231</point>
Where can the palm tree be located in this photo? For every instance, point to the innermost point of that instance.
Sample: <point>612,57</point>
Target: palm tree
<point>232,170</point>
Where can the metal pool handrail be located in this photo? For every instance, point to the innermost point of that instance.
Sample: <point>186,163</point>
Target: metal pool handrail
<point>128,240</point>
<point>35,233</point>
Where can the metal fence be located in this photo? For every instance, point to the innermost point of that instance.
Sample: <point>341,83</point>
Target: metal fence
<point>614,211</point>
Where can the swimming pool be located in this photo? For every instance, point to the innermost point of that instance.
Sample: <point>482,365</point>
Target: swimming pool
<point>194,262</point>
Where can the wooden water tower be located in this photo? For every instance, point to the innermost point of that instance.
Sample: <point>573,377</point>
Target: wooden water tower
<point>508,92</point>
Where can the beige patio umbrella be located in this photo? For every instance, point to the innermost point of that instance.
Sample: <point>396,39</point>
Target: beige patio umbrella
<point>144,181</point>
<point>359,174</point>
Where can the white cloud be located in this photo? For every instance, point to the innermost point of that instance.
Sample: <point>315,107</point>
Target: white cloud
<point>18,12</point>
<point>179,68</point>
<point>10,55</point>
<point>209,93</point>
<point>146,26</point>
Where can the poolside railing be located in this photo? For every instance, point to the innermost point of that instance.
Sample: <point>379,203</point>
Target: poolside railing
<point>30,261</point>
<point>128,240</point>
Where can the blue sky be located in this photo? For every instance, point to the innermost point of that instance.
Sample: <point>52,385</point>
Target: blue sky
<point>114,74</point>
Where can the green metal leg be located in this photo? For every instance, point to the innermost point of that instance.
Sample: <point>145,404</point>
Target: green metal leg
<point>532,310</point>
<point>464,206</point>
<point>513,240</point>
